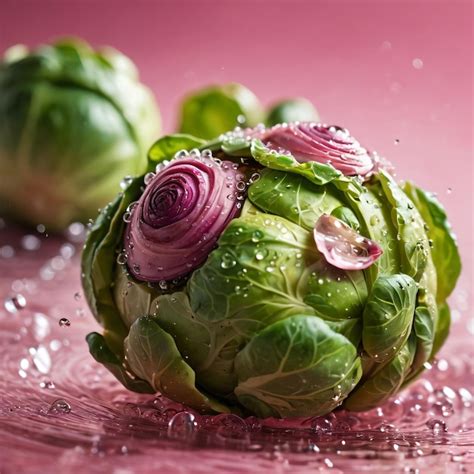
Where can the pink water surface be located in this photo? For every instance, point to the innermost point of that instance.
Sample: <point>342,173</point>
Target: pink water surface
<point>62,412</point>
<point>399,76</point>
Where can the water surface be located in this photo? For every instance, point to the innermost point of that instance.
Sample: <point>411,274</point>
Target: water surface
<point>60,411</point>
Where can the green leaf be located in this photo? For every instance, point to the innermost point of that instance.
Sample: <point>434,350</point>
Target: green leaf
<point>444,249</point>
<point>266,269</point>
<point>166,147</point>
<point>99,263</point>
<point>132,297</point>
<point>292,110</point>
<point>292,197</point>
<point>211,111</point>
<point>296,367</point>
<point>209,347</point>
<point>315,172</point>
<point>102,354</point>
<point>388,316</point>
<point>423,326</point>
<point>384,383</point>
<point>152,354</point>
<point>374,216</point>
<point>413,241</point>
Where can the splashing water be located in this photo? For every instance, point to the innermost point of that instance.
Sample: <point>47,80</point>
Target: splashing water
<point>63,412</point>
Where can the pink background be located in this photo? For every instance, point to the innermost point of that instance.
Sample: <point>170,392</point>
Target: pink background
<point>354,59</point>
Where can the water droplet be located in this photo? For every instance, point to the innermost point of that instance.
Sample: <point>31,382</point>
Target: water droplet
<point>374,220</point>
<point>64,322</point>
<point>256,236</point>
<point>241,119</point>
<point>255,177</point>
<point>206,153</point>
<point>30,242</point>
<point>443,408</point>
<point>396,141</point>
<point>417,63</point>
<point>181,154</point>
<point>47,384</point>
<point>149,178</point>
<point>76,232</point>
<point>59,407</point>
<point>77,296</point>
<point>7,251</point>
<point>241,186</point>
<point>321,425</point>
<point>182,426</point>
<point>122,258</point>
<point>163,284</point>
<point>466,396</point>
<point>15,303</point>
<point>449,190</point>
<point>127,217</point>
<point>261,254</point>
<point>437,426</point>
<point>232,428</point>
<point>125,182</point>
<point>228,261</point>
<point>67,251</point>
<point>328,463</point>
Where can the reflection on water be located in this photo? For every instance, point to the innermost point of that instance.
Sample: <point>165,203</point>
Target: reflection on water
<point>61,410</point>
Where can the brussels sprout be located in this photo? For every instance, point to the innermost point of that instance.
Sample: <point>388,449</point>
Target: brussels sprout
<point>213,110</point>
<point>209,112</point>
<point>73,123</point>
<point>279,272</point>
<point>292,110</point>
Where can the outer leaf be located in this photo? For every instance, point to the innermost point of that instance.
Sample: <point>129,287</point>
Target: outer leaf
<point>413,242</point>
<point>296,367</point>
<point>381,385</point>
<point>102,354</point>
<point>444,246</point>
<point>132,298</point>
<point>152,354</point>
<point>423,327</point>
<point>317,173</point>
<point>99,264</point>
<point>166,147</point>
<point>293,197</point>
<point>388,316</point>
